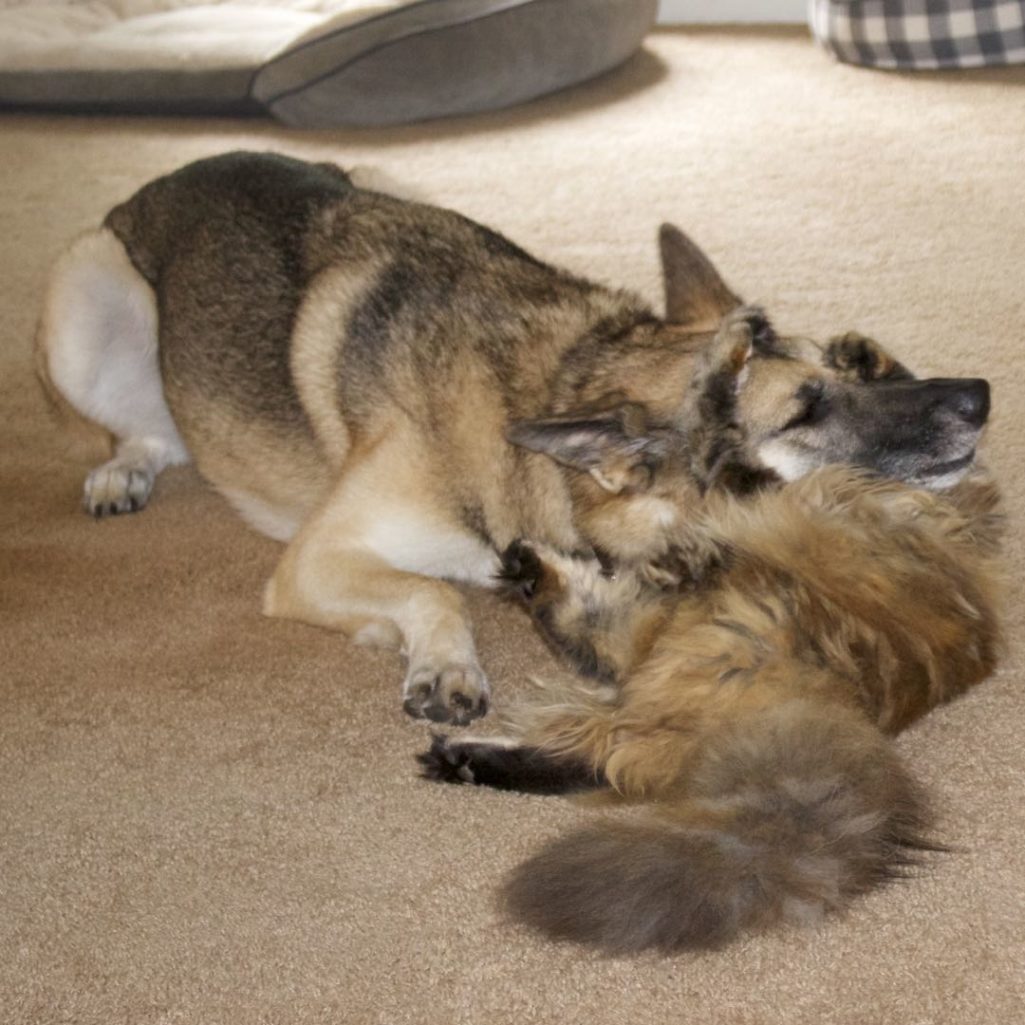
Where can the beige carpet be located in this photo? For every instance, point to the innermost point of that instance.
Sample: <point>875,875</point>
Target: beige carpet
<point>207,817</point>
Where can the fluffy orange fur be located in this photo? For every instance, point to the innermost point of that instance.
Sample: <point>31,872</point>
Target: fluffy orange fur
<point>753,703</point>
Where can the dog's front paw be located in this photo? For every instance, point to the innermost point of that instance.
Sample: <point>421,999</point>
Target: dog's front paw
<point>521,571</point>
<point>455,693</point>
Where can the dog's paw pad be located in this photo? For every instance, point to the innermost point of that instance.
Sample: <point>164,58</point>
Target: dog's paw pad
<point>116,488</point>
<point>455,693</point>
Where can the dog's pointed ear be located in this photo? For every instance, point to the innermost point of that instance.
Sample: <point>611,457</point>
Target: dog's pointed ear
<point>615,446</point>
<point>696,295</point>
<point>857,358</point>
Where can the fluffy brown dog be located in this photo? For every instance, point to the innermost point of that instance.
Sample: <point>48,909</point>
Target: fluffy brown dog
<point>750,678</point>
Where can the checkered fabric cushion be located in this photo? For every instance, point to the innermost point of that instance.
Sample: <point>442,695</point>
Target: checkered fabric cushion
<point>921,33</point>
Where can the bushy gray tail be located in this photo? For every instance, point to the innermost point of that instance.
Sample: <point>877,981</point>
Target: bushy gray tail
<point>785,817</point>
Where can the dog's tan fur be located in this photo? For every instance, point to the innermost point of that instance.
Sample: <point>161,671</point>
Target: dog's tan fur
<point>391,389</point>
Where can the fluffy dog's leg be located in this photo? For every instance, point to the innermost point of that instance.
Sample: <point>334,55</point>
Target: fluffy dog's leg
<point>97,350</point>
<point>505,765</point>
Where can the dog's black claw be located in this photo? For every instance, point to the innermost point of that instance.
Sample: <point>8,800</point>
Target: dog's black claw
<point>521,570</point>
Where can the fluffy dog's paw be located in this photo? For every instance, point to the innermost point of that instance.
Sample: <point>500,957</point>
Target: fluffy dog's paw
<point>116,488</point>
<point>504,764</point>
<point>692,562</point>
<point>456,693</point>
<point>521,571</point>
<point>445,762</point>
<point>665,572</point>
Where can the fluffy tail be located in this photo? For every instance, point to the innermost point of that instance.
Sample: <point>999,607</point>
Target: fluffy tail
<point>783,818</point>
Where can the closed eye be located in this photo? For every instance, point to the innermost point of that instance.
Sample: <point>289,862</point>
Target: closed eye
<point>814,406</point>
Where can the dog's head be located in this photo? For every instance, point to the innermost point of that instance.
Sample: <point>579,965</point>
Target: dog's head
<point>713,396</point>
<point>800,405</point>
<point>791,406</point>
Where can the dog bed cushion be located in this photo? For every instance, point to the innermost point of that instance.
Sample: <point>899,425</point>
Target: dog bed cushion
<point>921,33</point>
<point>312,63</point>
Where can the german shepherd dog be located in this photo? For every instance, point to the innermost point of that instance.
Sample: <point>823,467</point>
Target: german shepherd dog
<point>743,685</point>
<point>399,393</point>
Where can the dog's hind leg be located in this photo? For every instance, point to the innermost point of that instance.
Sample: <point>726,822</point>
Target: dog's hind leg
<point>97,350</point>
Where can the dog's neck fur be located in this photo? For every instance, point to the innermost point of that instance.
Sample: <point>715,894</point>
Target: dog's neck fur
<point>648,362</point>
<point>638,359</point>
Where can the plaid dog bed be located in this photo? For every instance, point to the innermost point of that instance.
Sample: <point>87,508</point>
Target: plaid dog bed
<point>921,33</point>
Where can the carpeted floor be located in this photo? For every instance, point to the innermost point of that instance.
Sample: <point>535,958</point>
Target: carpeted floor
<point>208,817</point>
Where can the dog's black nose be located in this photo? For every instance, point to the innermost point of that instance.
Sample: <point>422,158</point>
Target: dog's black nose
<point>970,400</point>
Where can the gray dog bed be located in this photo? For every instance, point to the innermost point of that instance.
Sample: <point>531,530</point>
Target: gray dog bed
<point>311,63</point>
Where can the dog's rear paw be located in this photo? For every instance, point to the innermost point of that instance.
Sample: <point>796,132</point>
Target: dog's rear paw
<point>456,693</point>
<point>116,487</point>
